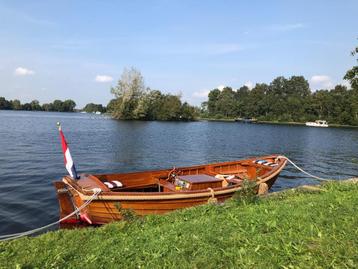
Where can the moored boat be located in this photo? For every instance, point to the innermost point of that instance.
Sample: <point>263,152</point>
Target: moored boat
<point>246,120</point>
<point>161,191</point>
<point>317,123</point>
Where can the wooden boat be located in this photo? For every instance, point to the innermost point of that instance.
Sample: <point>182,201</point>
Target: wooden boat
<point>161,191</point>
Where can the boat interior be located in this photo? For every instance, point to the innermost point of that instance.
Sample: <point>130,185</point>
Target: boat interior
<point>187,179</point>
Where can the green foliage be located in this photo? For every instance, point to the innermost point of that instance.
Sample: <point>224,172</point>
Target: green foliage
<point>16,104</point>
<point>352,74</point>
<point>58,105</point>
<point>128,91</point>
<point>128,215</point>
<point>91,108</point>
<point>247,194</point>
<point>285,100</point>
<point>68,105</point>
<point>35,105</point>
<point>134,101</point>
<point>5,104</point>
<point>294,229</point>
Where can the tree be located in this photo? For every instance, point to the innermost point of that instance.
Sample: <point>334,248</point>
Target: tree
<point>212,102</point>
<point>134,101</point>
<point>226,103</point>
<point>16,104</point>
<point>352,74</point>
<point>35,105</point>
<point>26,106</point>
<point>58,106</point>
<point>143,107</point>
<point>170,108</point>
<point>241,97</point>
<point>352,77</point>
<point>4,104</point>
<point>258,101</point>
<point>47,107</point>
<point>187,112</point>
<point>111,106</point>
<point>91,108</point>
<point>154,102</point>
<point>128,91</point>
<point>68,105</point>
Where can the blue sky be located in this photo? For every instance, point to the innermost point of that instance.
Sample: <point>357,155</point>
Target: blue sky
<point>78,49</point>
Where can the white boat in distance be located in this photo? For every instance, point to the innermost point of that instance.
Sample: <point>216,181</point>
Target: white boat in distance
<point>317,123</point>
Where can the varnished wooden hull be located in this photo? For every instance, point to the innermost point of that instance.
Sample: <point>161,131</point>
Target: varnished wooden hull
<point>112,206</point>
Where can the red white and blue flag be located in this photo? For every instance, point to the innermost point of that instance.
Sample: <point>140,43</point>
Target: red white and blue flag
<point>70,166</point>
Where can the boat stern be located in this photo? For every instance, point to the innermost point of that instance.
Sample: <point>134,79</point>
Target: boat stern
<point>66,204</point>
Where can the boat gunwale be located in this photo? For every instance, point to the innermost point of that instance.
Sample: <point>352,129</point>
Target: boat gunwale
<point>140,196</point>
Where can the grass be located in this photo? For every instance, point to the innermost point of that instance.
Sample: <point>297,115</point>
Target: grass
<point>293,229</point>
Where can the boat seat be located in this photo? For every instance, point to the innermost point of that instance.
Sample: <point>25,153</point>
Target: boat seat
<point>229,179</point>
<point>114,184</point>
<point>264,162</point>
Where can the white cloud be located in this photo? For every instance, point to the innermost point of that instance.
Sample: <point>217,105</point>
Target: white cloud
<point>201,94</point>
<point>21,71</point>
<point>103,78</point>
<point>249,84</point>
<point>321,82</point>
<point>205,93</point>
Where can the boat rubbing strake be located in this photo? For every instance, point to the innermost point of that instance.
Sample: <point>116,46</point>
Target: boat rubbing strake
<point>161,191</point>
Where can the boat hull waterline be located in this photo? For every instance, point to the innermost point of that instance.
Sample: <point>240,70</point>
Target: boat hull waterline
<point>162,191</point>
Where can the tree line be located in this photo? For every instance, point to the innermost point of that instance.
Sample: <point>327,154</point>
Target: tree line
<point>134,101</point>
<point>57,105</point>
<point>287,99</point>
<point>284,99</point>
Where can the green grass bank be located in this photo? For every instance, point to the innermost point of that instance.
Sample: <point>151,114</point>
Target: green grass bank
<point>293,229</point>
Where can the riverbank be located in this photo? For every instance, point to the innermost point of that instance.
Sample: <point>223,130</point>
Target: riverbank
<point>276,122</point>
<point>299,228</point>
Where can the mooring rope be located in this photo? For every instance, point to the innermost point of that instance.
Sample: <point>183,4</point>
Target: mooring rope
<point>300,169</point>
<point>97,192</point>
<point>18,235</point>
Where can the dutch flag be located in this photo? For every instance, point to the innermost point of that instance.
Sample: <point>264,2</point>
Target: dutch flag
<point>70,166</point>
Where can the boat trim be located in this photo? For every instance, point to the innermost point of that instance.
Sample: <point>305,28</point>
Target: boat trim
<point>171,196</point>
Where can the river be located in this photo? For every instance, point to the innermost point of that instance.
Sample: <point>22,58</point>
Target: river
<point>31,157</point>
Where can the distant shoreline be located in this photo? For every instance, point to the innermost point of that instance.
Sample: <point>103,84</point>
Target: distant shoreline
<point>203,119</point>
<point>277,122</point>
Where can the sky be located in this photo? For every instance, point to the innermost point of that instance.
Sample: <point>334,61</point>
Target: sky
<point>78,49</point>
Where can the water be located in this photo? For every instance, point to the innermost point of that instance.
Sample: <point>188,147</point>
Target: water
<point>31,157</point>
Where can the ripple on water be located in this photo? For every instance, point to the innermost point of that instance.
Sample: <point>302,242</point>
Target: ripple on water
<point>31,157</point>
